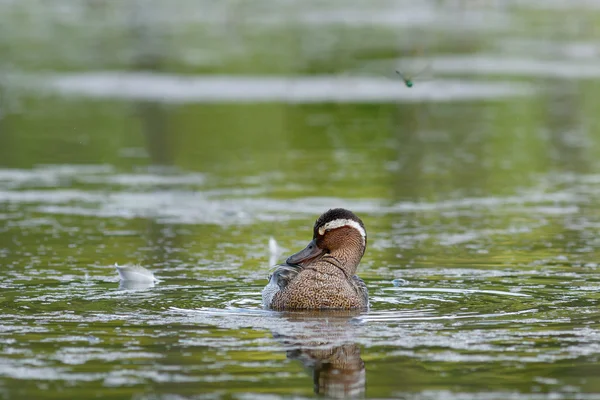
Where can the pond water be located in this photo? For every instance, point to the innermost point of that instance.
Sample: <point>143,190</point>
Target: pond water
<point>183,135</point>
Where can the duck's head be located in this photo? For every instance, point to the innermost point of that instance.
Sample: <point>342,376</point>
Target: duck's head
<point>338,232</point>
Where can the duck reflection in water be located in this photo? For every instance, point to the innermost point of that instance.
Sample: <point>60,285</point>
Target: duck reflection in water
<point>326,347</point>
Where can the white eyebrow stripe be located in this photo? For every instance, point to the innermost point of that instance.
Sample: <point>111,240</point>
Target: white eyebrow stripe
<point>338,223</point>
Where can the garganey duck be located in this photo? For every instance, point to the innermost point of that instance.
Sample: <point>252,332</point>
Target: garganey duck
<point>322,276</point>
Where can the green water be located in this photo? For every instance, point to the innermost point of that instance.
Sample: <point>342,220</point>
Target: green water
<point>478,188</point>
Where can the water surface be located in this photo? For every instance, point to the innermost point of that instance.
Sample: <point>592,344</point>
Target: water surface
<point>183,137</point>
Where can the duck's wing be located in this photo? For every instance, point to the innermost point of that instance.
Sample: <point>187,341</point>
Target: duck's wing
<point>284,274</point>
<point>361,288</point>
<point>278,280</point>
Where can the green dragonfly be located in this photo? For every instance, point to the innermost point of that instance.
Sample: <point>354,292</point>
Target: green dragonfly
<point>409,80</point>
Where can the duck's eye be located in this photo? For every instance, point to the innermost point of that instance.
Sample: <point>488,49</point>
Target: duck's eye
<point>327,230</point>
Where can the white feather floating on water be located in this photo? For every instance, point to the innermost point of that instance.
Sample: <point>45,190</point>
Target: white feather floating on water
<point>272,246</point>
<point>135,273</point>
<point>274,250</point>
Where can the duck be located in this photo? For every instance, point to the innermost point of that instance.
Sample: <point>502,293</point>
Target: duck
<point>323,275</point>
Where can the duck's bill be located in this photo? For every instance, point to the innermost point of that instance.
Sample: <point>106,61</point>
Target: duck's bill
<point>308,254</point>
